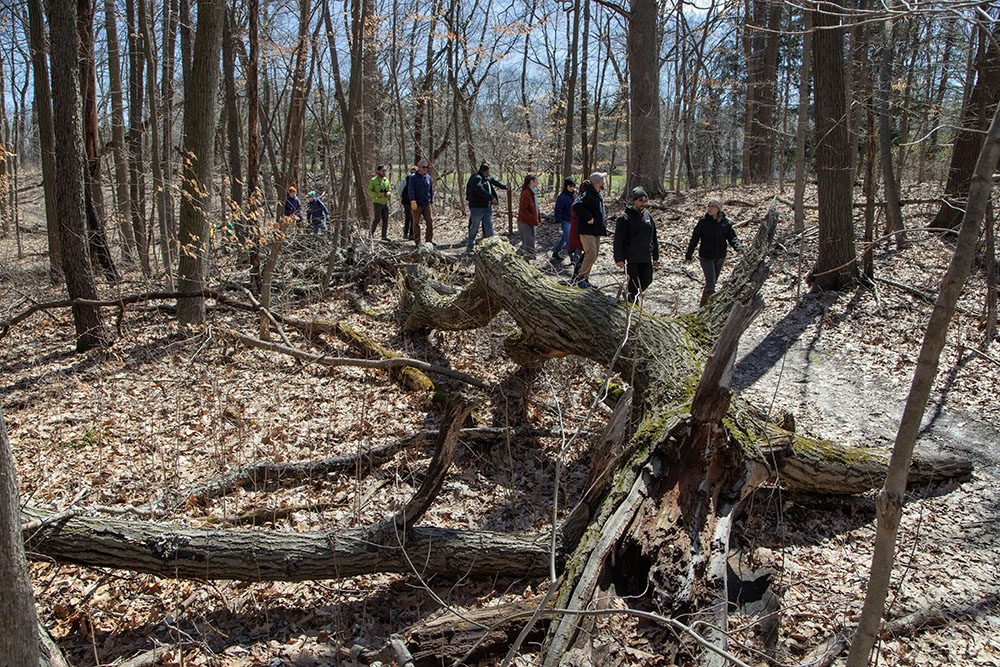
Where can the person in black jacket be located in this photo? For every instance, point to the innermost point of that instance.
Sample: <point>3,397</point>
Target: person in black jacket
<point>591,224</point>
<point>636,247</point>
<point>480,192</point>
<point>713,231</point>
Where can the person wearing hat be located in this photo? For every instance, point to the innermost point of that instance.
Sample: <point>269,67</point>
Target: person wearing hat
<point>636,247</point>
<point>528,217</point>
<point>480,192</point>
<point>316,213</point>
<point>293,207</point>
<point>421,191</point>
<point>712,232</point>
<point>378,189</point>
<point>591,224</point>
<point>404,197</point>
<point>562,215</point>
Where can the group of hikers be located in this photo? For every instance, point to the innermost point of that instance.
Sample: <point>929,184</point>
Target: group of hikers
<point>581,215</point>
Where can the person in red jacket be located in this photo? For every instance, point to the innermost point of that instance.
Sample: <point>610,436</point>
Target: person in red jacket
<point>528,217</point>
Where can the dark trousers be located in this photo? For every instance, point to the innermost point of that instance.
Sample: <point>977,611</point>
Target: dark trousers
<point>712,269</point>
<point>381,213</point>
<point>407,221</point>
<point>425,213</point>
<point>640,275</point>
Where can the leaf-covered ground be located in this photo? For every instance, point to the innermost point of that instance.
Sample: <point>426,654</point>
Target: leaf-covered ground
<point>161,411</point>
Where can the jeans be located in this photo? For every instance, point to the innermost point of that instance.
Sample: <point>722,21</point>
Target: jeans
<point>479,215</point>
<point>318,224</point>
<point>527,233</point>
<point>564,239</point>
<point>712,268</point>
<point>381,213</point>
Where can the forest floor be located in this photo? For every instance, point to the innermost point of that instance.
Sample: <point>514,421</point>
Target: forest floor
<point>160,411</point>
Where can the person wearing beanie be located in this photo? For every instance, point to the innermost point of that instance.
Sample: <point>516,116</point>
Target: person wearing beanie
<point>316,213</point>
<point>591,224</point>
<point>421,190</point>
<point>712,232</point>
<point>528,217</point>
<point>636,247</point>
<point>378,189</point>
<point>293,207</point>
<point>480,192</point>
<point>562,215</point>
<point>404,197</point>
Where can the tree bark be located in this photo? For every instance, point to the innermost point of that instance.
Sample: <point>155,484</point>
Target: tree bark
<point>233,130</point>
<point>199,159</point>
<point>893,213</point>
<point>890,500</point>
<point>118,133</point>
<point>805,71</point>
<point>46,137</point>
<point>18,620</point>
<point>135,105</point>
<point>762,78</point>
<point>69,155</point>
<point>835,266</point>
<point>644,69</point>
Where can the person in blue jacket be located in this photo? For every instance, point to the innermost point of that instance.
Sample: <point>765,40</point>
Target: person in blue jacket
<point>316,213</point>
<point>293,207</point>
<point>421,191</point>
<point>564,207</point>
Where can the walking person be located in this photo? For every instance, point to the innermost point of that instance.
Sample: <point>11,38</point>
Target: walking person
<point>404,197</point>
<point>636,247</point>
<point>591,224</point>
<point>379,189</point>
<point>528,217</point>
<point>421,191</point>
<point>316,213</point>
<point>563,216</point>
<point>712,232</point>
<point>480,192</point>
<point>293,207</point>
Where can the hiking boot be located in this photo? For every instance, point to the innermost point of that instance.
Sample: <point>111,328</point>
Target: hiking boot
<point>584,284</point>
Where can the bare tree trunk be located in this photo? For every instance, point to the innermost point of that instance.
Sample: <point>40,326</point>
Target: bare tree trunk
<point>170,19</point>
<point>69,156</point>
<point>835,263</point>
<point>572,67</point>
<point>46,139</point>
<point>233,129</point>
<point>199,158</point>
<point>990,328</point>
<point>18,620</point>
<point>890,500</point>
<point>253,203</point>
<point>585,156</point>
<point>644,70</point>
<point>118,133</point>
<point>893,213</point>
<point>135,106</point>
<point>762,73</point>
<point>805,71</point>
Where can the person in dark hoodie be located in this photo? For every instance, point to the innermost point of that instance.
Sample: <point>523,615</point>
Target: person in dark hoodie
<point>480,192</point>
<point>562,214</point>
<point>316,213</point>
<point>712,232</point>
<point>636,247</point>
<point>591,224</point>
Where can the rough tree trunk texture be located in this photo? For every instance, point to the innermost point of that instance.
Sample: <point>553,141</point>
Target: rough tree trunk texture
<point>46,138</point>
<point>969,138</point>
<point>644,69</point>
<point>890,500</point>
<point>18,621</point>
<point>199,157</point>
<point>137,207</point>
<point>805,72</point>
<point>893,212</point>
<point>671,499</point>
<point>835,266</point>
<point>69,156</point>
<point>762,74</point>
<point>118,133</point>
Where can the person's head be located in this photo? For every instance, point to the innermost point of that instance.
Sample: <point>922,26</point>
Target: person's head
<point>484,167</point>
<point>381,170</point>
<point>639,198</point>
<point>569,185</point>
<point>597,178</point>
<point>423,166</point>
<point>413,169</point>
<point>530,181</point>
<point>291,190</point>
<point>714,208</point>
<point>311,195</point>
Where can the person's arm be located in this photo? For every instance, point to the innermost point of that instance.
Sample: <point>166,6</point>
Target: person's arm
<point>583,212</point>
<point>410,190</point>
<point>326,211</point>
<point>430,190</point>
<point>693,243</point>
<point>497,184</point>
<point>656,242</point>
<point>621,239</point>
<point>733,239</point>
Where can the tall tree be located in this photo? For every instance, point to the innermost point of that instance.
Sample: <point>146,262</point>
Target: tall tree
<point>805,72</point>
<point>18,620</point>
<point>572,67</point>
<point>893,212</point>
<point>69,155</point>
<point>46,139</point>
<point>835,262</point>
<point>976,115</point>
<point>761,47</point>
<point>644,154</point>
<point>136,62</point>
<point>118,132</point>
<point>199,156</point>
<point>233,125</point>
